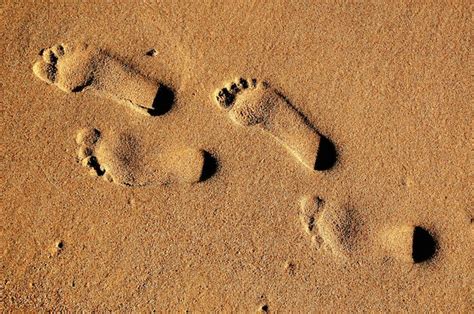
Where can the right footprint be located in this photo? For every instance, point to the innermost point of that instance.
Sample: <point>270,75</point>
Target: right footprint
<point>253,103</point>
<point>122,159</point>
<point>342,231</point>
<point>80,67</point>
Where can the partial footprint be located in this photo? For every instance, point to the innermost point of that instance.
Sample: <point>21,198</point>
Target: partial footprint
<point>337,229</point>
<point>251,103</point>
<point>124,160</point>
<point>75,68</point>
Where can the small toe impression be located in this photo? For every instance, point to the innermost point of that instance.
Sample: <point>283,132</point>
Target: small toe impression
<point>424,245</point>
<point>45,72</point>
<point>92,163</point>
<point>46,68</point>
<point>226,96</point>
<point>326,155</point>
<point>86,139</point>
<point>310,208</point>
<point>52,55</point>
<point>162,102</point>
<point>58,50</point>
<point>49,56</point>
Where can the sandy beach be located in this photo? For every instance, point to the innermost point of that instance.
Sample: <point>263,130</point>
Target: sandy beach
<point>236,156</point>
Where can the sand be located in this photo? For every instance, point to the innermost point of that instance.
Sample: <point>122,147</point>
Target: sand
<point>236,156</point>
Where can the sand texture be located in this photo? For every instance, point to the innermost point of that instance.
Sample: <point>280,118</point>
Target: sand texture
<point>236,156</point>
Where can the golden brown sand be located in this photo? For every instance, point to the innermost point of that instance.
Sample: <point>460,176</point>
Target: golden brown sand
<point>281,156</point>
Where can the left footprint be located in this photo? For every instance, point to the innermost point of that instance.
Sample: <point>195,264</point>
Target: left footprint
<point>80,67</point>
<point>123,160</point>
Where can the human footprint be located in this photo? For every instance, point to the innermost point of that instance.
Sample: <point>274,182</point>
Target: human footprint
<point>123,159</point>
<point>81,67</point>
<point>342,231</point>
<point>251,103</point>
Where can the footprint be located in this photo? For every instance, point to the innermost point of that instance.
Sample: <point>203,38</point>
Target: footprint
<point>76,68</point>
<point>342,231</point>
<point>411,244</point>
<point>124,160</point>
<point>336,229</point>
<point>252,103</point>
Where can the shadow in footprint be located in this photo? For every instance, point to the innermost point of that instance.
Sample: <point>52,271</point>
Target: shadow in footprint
<point>94,164</point>
<point>327,155</point>
<point>424,245</point>
<point>163,101</point>
<point>210,166</point>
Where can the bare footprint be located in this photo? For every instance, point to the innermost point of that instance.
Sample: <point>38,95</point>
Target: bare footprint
<point>123,159</point>
<point>341,231</point>
<point>76,68</point>
<point>252,103</point>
